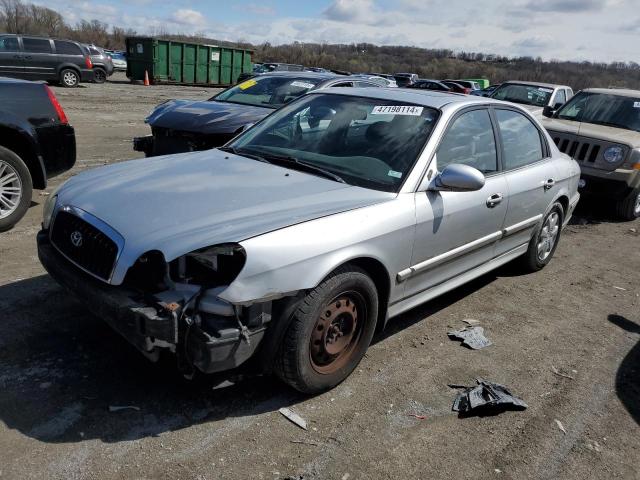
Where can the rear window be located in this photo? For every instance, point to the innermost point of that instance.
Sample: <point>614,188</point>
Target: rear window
<point>67,48</point>
<point>36,45</point>
<point>95,52</point>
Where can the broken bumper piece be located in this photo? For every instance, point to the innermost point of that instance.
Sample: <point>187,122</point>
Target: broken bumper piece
<point>144,144</point>
<point>486,397</point>
<point>210,342</point>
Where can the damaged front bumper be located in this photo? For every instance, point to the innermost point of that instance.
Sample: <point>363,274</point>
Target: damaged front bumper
<point>207,341</point>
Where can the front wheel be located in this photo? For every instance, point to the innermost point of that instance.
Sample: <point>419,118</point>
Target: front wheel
<point>330,331</point>
<point>545,240</point>
<point>15,189</point>
<point>629,208</point>
<point>69,78</point>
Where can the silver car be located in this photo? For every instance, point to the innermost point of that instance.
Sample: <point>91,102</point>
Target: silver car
<point>296,240</point>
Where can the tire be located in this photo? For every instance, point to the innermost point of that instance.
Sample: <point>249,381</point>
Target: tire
<point>99,75</point>
<point>330,331</point>
<point>16,188</point>
<point>629,208</point>
<point>540,253</point>
<point>69,78</point>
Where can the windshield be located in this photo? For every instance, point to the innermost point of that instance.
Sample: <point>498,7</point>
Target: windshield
<point>267,91</point>
<point>367,142</point>
<point>612,110</point>
<point>524,94</point>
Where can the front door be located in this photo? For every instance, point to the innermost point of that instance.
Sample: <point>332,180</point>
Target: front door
<point>457,231</point>
<point>11,63</point>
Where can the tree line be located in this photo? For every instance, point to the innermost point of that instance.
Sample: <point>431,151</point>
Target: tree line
<point>17,16</point>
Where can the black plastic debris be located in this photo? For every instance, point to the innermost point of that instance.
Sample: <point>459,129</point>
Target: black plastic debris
<point>486,397</point>
<point>473,337</point>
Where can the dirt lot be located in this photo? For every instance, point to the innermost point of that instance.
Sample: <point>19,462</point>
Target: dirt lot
<point>61,369</point>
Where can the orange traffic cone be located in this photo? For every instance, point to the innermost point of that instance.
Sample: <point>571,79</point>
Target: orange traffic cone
<point>146,78</point>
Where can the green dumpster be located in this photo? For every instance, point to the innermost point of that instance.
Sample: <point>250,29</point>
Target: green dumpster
<point>168,61</point>
<point>483,82</point>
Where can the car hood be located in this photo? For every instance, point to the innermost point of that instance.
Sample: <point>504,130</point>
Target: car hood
<point>207,117</point>
<point>598,132</point>
<point>179,203</point>
<point>535,110</point>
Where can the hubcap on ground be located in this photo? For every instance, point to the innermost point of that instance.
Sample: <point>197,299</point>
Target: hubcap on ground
<point>548,235</point>
<point>69,78</point>
<point>336,333</point>
<point>10,189</point>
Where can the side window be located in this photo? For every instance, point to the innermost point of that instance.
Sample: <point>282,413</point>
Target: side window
<point>520,138</point>
<point>94,52</point>
<point>343,84</point>
<point>9,44</point>
<point>36,45</point>
<point>561,98</point>
<point>470,141</point>
<point>367,84</point>
<point>67,48</point>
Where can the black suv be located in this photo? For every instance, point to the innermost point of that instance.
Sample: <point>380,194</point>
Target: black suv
<point>39,58</point>
<point>36,143</point>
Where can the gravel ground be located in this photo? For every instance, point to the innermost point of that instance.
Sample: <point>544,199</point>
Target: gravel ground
<point>61,369</point>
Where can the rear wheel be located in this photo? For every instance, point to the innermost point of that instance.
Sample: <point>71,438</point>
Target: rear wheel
<point>545,240</point>
<point>629,208</point>
<point>330,331</point>
<point>69,78</point>
<point>15,189</point>
<point>99,75</point>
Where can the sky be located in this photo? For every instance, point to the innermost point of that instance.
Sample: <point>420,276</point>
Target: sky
<point>595,30</point>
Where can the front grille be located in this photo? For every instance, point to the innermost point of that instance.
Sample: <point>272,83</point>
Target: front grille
<point>582,149</point>
<point>93,251</point>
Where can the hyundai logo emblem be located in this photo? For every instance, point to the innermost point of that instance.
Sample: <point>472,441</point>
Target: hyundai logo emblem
<point>76,239</point>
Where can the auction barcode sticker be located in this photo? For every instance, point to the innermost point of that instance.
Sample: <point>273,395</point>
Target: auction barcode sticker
<point>636,104</point>
<point>397,110</point>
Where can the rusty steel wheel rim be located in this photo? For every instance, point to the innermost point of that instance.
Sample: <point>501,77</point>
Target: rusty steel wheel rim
<point>337,332</point>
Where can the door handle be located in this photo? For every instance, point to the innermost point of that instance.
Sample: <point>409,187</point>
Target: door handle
<point>494,200</point>
<point>549,184</point>
<point>18,57</point>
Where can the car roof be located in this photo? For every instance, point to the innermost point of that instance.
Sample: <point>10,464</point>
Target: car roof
<point>304,73</point>
<point>624,92</point>
<point>427,98</point>
<point>536,84</point>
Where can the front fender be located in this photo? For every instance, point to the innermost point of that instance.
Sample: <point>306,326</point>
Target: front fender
<point>285,261</point>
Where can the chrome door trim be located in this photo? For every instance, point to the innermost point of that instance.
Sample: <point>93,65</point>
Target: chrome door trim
<point>466,248</point>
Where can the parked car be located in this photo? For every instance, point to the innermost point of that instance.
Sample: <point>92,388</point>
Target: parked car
<point>456,87</point>
<point>102,64</point>
<point>405,79</point>
<point>534,96</point>
<point>259,68</point>
<point>600,128</point>
<point>435,85</point>
<point>295,241</point>
<point>486,92</point>
<point>119,61</point>
<point>39,58</point>
<point>382,81</point>
<point>470,85</point>
<point>188,125</point>
<point>36,143</point>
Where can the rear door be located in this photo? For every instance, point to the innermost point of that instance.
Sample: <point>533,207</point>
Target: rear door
<point>530,174</point>
<point>457,231</point>
<point>39,60</point>
<point>11,63</point>
<point>68,52</point>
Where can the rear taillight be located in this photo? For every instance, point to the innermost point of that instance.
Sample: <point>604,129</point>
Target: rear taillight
<point>56,105</point>
<point>88,62</point>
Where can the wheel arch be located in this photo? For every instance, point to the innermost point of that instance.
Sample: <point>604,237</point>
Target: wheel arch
<point>19,144</point>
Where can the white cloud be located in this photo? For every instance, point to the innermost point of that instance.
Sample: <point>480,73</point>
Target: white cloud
<point>186,16</point>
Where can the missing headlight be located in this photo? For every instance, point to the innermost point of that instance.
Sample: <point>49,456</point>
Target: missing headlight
<point>210,266</point>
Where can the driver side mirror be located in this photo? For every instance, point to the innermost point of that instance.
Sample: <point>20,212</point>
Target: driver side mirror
<point>549,111</point>
<point>459,178</point>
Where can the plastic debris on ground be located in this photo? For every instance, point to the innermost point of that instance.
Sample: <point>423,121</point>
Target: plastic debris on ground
<point>560,426</point>
<point>118,408</point>
<point>555,371</point>
<point>473,337</point>
<point>294,417</point>
<point>486,397</point>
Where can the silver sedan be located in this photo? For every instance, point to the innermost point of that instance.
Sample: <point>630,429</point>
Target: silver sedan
<point>295,241</point>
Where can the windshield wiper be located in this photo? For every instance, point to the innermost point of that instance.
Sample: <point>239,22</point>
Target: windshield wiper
<point>294,162</point>
<point>243,153</point>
